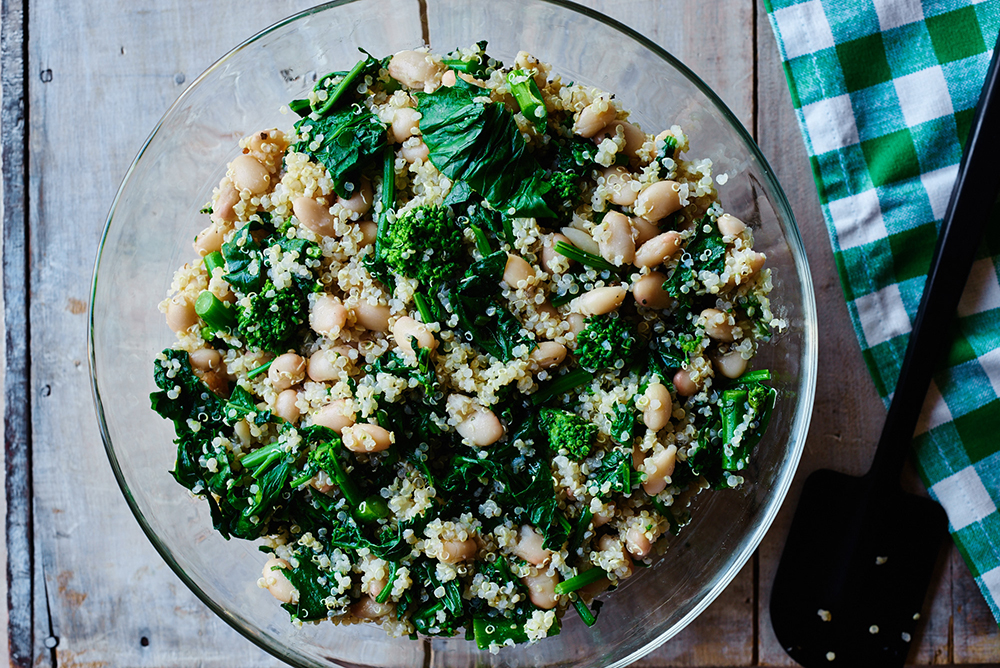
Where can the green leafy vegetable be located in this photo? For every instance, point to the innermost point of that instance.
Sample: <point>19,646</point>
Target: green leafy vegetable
<point>351,138</point>
<point>479,143</point>
<point>606,342</point>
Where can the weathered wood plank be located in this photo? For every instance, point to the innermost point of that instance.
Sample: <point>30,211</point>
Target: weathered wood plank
<point>17,408</point>
<point>101,74</point>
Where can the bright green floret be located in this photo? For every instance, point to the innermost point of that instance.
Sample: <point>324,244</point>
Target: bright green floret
<point>425,243</point>
<point>568,430</point>
<point>273,318</point>
<point>605,340</point>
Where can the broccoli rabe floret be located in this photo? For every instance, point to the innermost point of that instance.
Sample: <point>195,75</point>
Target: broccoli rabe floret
<point>568,430</point>
<point>425,243</point>
<point>273,318</point>
<point>604,341</point>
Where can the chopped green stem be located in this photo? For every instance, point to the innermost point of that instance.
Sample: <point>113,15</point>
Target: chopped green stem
<point>213,261</point>
<point>424,308</point>
<point>582,524</point>
<point>580,581</point>
<point>755,376</point>
<point>585,614</point>
<point>302,479</point>
<point>215,313</point>
<point>342,87</point>
<point>261,456</point>
<point>561,385</point>
<point>732,412</point>
<point>529,98</point>
<point>371,509</point>
<point>565,298</point>
<point>383,595</point>
<point>488,631</point>
<point>583,257</point>
<point>346,485</point>
<point>388,200</point>
<point>253,373</point>
<point>482,243</point>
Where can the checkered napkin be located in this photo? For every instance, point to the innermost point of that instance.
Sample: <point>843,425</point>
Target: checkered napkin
<point>885,91</point>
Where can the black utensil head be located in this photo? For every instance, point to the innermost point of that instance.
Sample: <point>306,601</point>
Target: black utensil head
<point>852,578</point>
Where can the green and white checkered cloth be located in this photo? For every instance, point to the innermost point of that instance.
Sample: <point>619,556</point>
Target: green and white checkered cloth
<point>885,91</point>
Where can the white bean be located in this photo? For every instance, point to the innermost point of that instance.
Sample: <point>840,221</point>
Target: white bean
<point>644,230</point>
<point>658,468</point>
<point>405,328</point>
<point>634,137</point>
<point>529,546</point>
<point>657,249</point>
<point>285,371</point>
<point>413,69</point>
<point>369,231</point>
<point>337,415</point>
<point>416,151</point>
<point>637,543</point>
<point>648,291</point>
<point>656,415</point>
<point>718,325</point>
<point>618,182</point>
<point>577,323</point>
<point>599,300</point>
<point>366,438</point>
<point>730,226</point>
<point>548,354</point>
<point>210,239</point>
<point>277,583</point>
<point>368,608</point>
<point>549,254</point>
<point>374,317</point>
<point>285,406</point>
<point>581,240</point>
<point>474,422</point>
<point>448,78</point>
<point>224,207</point>
<point>658,200</point>
<point>322,366</point>
<point>205,359</point>
<point>249,174</point>
<point>731,365</point>
<point>454,551</point>
<point>542,589</point>
<point>404,123</point>
<point>517,271</point>
<point>315,215</point>
<point>595,117</point>
<point>180,314</point>
<point>361,198</point>
<point>619,246</point>
<point>683,383</point>
<point>327,315</point>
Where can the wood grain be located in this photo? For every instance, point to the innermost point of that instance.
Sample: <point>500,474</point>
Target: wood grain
<point>17,367</point>
<point>99,75</point>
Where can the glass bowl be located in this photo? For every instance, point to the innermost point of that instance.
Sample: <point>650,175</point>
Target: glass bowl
<point>155,216</point>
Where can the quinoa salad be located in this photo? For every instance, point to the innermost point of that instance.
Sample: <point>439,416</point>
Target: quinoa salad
<point>459,345</point>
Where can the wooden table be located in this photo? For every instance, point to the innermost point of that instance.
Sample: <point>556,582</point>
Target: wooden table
<point>83,83</point>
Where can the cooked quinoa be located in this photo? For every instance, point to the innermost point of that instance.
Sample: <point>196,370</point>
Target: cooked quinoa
<point>460,345</point>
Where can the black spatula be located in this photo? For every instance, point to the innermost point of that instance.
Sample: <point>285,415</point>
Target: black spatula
<point>860,552</point>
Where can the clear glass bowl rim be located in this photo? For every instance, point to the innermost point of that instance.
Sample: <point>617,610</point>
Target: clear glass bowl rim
<point>809,339</point>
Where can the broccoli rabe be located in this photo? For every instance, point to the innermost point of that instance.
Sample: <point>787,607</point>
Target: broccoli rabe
<point>568,430</point>
<point>605,340</point>
<point>573,159</point>
<point>425,243</point>
<point>273,318</point>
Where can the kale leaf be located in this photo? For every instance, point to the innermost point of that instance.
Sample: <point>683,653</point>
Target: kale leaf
<point>351,137</point>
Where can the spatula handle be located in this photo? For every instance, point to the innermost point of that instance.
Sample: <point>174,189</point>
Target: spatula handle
<point>972,201</point>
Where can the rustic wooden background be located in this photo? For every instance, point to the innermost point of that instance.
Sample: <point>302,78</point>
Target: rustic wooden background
<point>83,83</point>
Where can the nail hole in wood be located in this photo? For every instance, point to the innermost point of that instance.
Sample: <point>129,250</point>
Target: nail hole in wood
<point>144,641</point>
<point>46,76</point>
